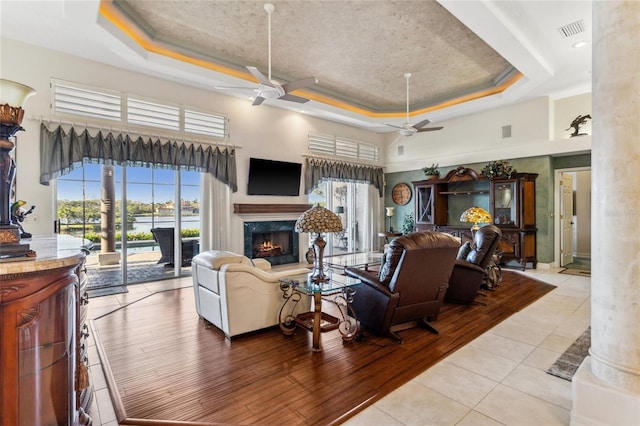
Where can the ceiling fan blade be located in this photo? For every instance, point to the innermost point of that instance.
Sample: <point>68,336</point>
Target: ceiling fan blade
<point>262,79</point>
<point>430,129</point>
<point>422,123</point>
<point>233,88</point>
<point>394,126</point>
<point>299,84</point>
<point>258,100</point>
<point>293,98</point>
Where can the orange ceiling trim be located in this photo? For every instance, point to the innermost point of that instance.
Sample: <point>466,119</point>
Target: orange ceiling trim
<point>459,100</point>
<point>113,15</point>
<point>108,11</point>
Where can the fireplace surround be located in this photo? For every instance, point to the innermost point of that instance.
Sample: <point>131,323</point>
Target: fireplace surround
<point>274,240</point>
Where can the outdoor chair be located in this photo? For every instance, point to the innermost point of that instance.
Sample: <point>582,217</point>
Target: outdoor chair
<point>165,239</point>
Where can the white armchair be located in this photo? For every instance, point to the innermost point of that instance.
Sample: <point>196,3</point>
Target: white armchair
<point>237,294</point>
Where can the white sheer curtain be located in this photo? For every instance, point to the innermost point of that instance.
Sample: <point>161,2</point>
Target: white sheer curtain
<point>373,223</point>
<point>215,214</point>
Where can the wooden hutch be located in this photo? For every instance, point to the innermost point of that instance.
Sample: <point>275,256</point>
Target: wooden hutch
<point>44,377</point>
<point>511,202</point>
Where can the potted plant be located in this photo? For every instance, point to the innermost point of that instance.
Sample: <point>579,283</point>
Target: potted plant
<point>499,168</point>
<point>407,224</point>
<point>432,171</point>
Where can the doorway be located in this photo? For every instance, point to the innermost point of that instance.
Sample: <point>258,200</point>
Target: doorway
<point>573,218</point>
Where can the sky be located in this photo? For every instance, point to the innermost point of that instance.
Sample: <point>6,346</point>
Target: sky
<point>139,186</point>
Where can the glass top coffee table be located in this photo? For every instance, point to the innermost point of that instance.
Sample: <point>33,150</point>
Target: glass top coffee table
<point>357,260</point>
<point>338,290</point>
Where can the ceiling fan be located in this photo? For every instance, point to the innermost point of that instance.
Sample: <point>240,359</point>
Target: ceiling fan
<point>271,89</point>
<point>407,129</point>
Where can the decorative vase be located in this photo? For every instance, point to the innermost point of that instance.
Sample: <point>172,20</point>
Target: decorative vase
<point>311,255</point>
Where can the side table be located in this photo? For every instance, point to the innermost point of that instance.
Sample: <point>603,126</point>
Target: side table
<point>316,321</point>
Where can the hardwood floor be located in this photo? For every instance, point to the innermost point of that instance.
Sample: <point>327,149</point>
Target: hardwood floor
<point>165,366</point>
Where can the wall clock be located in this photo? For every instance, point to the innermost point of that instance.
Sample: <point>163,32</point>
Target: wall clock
<point>401,194</point>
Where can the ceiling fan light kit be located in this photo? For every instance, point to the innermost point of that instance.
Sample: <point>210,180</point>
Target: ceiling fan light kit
<point>269,88</point>
<point>407,129</point>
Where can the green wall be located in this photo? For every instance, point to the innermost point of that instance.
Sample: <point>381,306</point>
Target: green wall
<point>583,160</point>
<point>544,166</point>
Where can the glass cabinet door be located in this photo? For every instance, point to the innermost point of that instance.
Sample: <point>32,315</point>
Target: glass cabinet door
<point>504,209</point>
<point>424,206</point>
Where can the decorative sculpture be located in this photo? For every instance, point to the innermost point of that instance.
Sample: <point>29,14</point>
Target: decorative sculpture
<point>576,123</point>
<point>12,98</point>
<point>18,214</point>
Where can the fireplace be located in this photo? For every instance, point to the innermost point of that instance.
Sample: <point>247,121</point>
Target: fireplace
<point>275,241</point>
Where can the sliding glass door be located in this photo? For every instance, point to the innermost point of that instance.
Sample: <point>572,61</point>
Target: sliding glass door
<point>350,201</point>
<point>133,216</point>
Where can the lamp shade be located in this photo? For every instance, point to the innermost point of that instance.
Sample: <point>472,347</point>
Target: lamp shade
<point>12,98</point>
<point>318,220</point>
<point>475,215</point>
<point>14,94</point>
<point>389,212</point>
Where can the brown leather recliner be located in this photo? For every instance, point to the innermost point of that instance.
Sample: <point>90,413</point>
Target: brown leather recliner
<point>470,267</point>
<point>410,286</point>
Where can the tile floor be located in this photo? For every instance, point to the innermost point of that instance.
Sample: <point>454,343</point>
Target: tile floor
<point>498,379</point>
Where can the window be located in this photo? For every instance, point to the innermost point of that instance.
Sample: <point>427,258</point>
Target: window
<point>152,114</point>
<point>68,98</point>
<point>342,147</point>
<point>75,99</point>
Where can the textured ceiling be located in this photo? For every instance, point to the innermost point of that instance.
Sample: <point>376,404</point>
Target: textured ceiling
<point>358,50</point>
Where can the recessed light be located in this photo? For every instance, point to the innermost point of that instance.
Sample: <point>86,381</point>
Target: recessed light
<point>579,44</point>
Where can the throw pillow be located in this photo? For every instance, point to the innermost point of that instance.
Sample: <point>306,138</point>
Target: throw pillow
<point>388,268</point>
<point>464,251</point>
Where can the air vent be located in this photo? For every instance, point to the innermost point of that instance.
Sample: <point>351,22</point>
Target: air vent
<point>401,150</point>
<point>506,132</point>
<point>572,29</point>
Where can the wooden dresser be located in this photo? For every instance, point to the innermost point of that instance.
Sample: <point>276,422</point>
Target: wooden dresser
<point>44,369</point>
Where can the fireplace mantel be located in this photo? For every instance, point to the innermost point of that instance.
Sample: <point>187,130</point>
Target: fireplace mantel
<point>270,208</point>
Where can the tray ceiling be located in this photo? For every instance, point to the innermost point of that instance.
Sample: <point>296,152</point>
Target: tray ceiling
<point>464,56</point>
<point>358,50</point>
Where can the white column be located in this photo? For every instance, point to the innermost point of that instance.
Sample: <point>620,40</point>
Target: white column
<point>606,388</point>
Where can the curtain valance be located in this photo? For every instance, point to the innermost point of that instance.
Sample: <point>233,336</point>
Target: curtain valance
<point>319,169</point>
<point>61,152</point>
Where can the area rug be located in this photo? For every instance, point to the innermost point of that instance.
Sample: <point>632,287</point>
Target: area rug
<point>567,365</point>
<point>581,272</point>
<point>165,366</point>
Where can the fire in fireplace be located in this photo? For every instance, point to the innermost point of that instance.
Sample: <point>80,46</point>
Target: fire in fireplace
<point>276,241</point>
<point>268,244</point>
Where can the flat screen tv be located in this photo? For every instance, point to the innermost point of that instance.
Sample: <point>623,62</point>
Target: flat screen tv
<point>270,177</point>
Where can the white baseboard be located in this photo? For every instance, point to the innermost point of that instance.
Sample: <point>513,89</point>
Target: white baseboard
<point>545,266</point>
<point>582,255</point>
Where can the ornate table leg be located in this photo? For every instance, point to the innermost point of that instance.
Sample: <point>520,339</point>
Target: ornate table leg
<point>317,321</point>
<point>348,326</point>
<point>288,321</point>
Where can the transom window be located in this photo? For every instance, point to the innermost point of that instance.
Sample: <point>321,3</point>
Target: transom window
<point>342,147</point>
<point>128,109</point>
